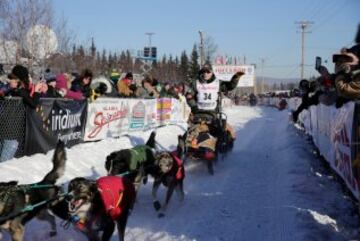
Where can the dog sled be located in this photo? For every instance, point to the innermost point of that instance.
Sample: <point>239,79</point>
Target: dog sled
<point>208,136</point>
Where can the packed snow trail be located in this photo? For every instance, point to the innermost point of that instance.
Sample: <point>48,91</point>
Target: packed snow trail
<point>269,187</point>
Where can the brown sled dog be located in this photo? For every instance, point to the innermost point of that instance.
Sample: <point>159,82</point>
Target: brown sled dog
<point>15,197</point>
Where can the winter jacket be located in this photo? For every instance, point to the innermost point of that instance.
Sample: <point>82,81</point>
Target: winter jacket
<point>124,88</point>
<point>52,93</point>
<point>31,100</point>
<point>77,86</point>
<point>62,83</point>
<point>348,86</point>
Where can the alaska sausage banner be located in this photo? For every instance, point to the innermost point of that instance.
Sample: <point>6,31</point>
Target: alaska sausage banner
<point>53,120</point>
<point>112,117</point>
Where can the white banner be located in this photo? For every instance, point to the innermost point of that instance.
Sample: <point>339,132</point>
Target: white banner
<point>225,72</point>
<point>112,117</point>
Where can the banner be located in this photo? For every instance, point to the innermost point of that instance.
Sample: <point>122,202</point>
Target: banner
<point>225,72</point>
<point>53,120</point>
<point>342,139</point>
<point>112,117</point>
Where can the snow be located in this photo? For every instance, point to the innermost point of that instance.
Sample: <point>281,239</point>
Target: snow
<point>270,187</point>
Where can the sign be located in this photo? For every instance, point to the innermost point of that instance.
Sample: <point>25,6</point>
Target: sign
<point>225,72</point>
<point>53,120</point>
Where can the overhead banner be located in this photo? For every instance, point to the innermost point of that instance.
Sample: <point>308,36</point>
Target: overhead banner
<point>53,120</point>
<point>225,72</point>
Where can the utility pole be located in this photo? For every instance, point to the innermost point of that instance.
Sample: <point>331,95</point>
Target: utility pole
<point>201,48</point>
<point>303,25</point>
<point>262,75</point>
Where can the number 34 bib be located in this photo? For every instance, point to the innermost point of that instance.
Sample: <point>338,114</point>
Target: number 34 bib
<point>207,94</point>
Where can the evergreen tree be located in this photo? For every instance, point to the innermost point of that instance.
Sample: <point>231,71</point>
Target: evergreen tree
<point>103,62</point>
<point>184,67</point>
<point>92,48</point>
<point>194,63</point>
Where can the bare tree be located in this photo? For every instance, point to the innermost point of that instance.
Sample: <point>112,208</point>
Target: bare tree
<point>17,17</point>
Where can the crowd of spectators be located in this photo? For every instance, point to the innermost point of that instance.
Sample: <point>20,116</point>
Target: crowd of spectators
<point>336,88</point>
<point>78,87</point>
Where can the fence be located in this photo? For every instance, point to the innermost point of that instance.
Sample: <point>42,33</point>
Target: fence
<point>336,134</point>
<point>12,128</point>
<point>27,131</point>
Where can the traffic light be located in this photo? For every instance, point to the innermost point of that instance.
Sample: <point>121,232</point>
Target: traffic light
<point>146,52</point>
<point>153,52</point>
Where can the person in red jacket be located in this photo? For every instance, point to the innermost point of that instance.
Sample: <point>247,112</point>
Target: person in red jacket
<point>63,84</point>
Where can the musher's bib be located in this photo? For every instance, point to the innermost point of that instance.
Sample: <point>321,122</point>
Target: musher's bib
<point>207,95</point>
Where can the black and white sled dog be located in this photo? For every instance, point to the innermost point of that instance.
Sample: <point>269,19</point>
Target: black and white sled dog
<point>128,161</point>
<point>97,208</point>
<point>15,198</point>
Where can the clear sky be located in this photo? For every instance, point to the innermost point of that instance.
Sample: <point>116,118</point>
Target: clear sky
<point>254,28</point>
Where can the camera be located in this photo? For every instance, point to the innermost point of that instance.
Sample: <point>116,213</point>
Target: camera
<point>341,58</point>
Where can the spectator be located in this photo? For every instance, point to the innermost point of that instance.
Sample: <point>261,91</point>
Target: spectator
<point>149,90</point>
<point>82,83</point>
<point>51,92</point>
<point>21,86</point>
<point>63,83</point>
<point>125,86</point>
<point>168,91</point>
<point>114,76</point>
<point>4,89</point>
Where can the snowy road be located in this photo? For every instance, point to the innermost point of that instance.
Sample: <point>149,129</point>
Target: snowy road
<point>270,187</point>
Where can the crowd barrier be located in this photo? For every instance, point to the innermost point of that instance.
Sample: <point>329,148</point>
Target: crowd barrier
<point>27,131</point>
<point>336,134</point>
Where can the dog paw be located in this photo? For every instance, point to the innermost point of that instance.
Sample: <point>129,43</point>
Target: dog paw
<point>157,205</point>
<point>161,215</point>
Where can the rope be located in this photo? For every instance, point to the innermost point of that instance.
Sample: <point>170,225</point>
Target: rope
<point>30,208</point>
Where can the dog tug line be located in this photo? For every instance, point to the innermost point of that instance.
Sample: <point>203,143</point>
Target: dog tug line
<point>29,208</point>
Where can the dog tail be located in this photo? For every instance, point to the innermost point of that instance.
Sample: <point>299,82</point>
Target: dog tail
<point>59,160</point>
<point>151,141</point>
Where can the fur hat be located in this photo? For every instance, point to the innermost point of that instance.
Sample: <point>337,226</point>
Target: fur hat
<point>21,72</point>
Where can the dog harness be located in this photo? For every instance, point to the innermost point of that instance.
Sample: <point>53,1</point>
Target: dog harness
<point>180,174</point>
<point>117,193</point>
<point>138,156</point>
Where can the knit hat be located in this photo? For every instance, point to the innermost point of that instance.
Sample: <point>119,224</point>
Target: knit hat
<point>49,77</point>
<point>129,75</point>
<point>21,72</point>
<point>206,66</point>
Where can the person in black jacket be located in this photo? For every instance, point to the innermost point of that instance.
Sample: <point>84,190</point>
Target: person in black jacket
<point>204,98</point>
<point>29,92</point>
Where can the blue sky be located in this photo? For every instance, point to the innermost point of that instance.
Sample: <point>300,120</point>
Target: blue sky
<point>255,29</point>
